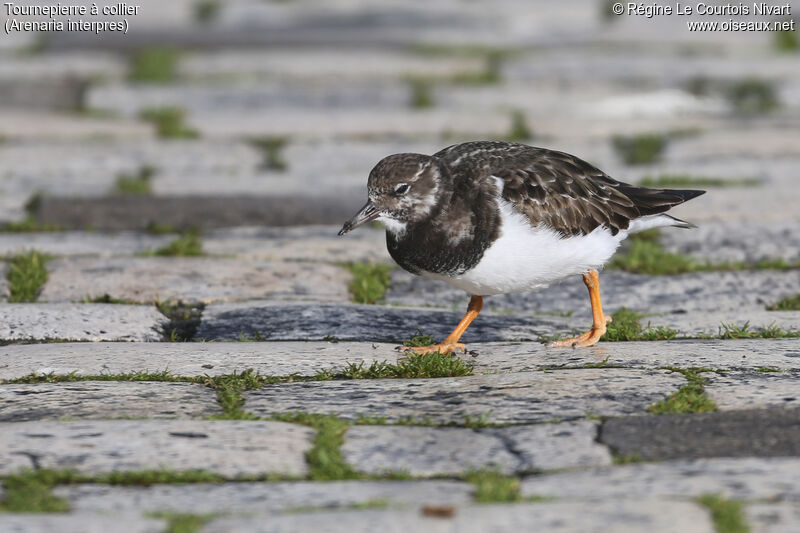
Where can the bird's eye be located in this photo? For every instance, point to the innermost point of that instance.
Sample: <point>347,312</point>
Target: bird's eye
<point>401,189</point>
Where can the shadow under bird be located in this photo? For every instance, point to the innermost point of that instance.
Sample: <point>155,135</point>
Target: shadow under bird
<point>500,217</point>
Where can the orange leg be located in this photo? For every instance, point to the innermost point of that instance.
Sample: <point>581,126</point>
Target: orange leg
<point>592,281</point>
<point>451,344</point>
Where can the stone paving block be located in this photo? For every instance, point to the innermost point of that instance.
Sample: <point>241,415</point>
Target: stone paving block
<point>106,399</point>
<point>431,451</point>
<point>773,517</point>
<point>262,498</point>
<point>79,523</point>
<point>372,323</point>
<point>700,292</point>
<point>35,124</point>
<point>500,398</point>
<point>746,433</point>
<point>750,390</point>
<point>628,516</point>
<point>80,322</point>
<point>299,243</point>
<point>740,478</point>
<point>82,243</point>
<point>229,448</point>
<point>206,279</point>
<point>188,359</point>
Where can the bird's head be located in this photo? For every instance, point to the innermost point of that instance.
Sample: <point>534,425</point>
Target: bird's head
<point>403,189</point>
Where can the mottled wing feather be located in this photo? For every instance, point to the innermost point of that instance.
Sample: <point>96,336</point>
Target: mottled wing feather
<point>556,189</point>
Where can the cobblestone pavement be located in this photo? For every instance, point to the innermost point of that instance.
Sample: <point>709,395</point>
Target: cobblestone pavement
<point>186,345</point>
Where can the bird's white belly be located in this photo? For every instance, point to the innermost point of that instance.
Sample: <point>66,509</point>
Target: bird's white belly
<point>525,257</point>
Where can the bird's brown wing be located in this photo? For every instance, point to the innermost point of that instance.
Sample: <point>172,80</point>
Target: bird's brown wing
<point>559,190</point>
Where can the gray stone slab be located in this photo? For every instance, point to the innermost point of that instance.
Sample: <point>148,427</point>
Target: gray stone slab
<point>188,359</point>
<point>138,212</point>
<point>79,523</point>
<point>499,398</point>
<point>627,516</point>
<point>36,124</point>
<point>746,433</point>
<point>740,390</point>
<point>106,399</point>
<point>300,243</point>
<point>230,448</point>
<point>433,451</point>
<point>82,243</point>
<point>80,322</point>
<point>205,279</point>
<point>700,292</point>
<point>773,517</point>
<point>262,498</point>
<point>739,478</point>
<point>272,321</point>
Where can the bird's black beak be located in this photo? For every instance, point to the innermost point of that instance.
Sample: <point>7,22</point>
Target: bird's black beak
<point>367,213</point>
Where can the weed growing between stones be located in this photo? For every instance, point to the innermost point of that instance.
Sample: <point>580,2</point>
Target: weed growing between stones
<point>205,11</point>
<point>154,65</point>
<point>786,41</point>
<point>325,457</point>
<point>745,331</point>
<point>184,319</point>
<point>31,492</point>
<point>271,148</point>
<point>164,375</point>
<point>752,96</point>
<point>790,303</point>
<point>229,393</point>
<point>183,522</point>
<point>421,90</point>
<point>686,180</point>
<point>625,326</point>
<point>691,398</point>
<point>169,122</point>
<point>489,75</point>
<point>493,487</point>
<point>767,369</point>
<point>626,459</point>
<point>370,282</point>
<point>28,225</point>
<point>419,339</point>
<point>137,183</point>
<point>188,244</point>
<point>640,149</point>
<point>108,299</point>
<point>519,131</point>
<point>27,274</point>
<point>727,515</point>
<point>433,365</point>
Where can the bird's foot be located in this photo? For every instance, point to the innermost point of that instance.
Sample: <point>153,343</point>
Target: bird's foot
<point>589,338</point>
<point>443,348</point>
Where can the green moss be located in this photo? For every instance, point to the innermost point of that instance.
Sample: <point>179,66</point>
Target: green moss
<point>325,457</point>
<point>139,183</point>
<point>519,131</point>
<point>752,96</point>
<point>640,149</point>
<point>31,492</point>
<point>187,244</point>
<point>370,282</point>
<point>685,180</point>
<point>727,515</point>
<point>27,274</point>
<point>625,326</point>
<point>421,93</point>
<point>154,65</point>
<point>271,148</point>
<point>169,122</point>
<point>790,303</point>
<point>493,487</point>
<point>691,398</point>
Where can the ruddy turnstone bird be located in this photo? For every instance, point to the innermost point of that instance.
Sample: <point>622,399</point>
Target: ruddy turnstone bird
<point>499,217</point>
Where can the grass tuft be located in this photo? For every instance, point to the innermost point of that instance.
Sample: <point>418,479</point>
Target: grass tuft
<point>184,522</point>
<point>206,11</point>
<point>519,131</point>
<point>154,65</point>
<point>493,487</point>
<point>187,244</point>
<point>229,393</point>
<point>28,225</point>
<point>271,148</point>
<point>325,457</point>
<point>752,96</point>
<point>790,303</point>
<point>421,93</point>
<point>370,282</point>
<point>691,398</point>
<point>745,331</point>
<point>648,257</point>
<point>27,274</point>
<point>728,516</point>
<point>139,183</point>
<point>433,365</point>
<point>625,326</point>
<point>419,339</point>
<point>786,41</point>
<point>640,149</point>
<point>169,122</point>
<point>31,492</point>
<point>685,180</point>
